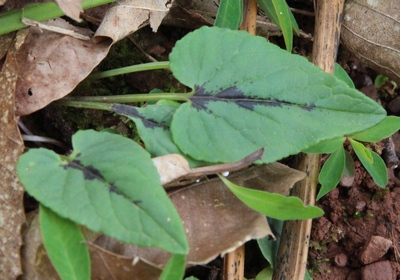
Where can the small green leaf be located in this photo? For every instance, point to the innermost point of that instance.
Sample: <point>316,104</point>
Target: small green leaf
<point>341,74</point>
<point>349,166</point>
<point>331,172</point>
<point>376,167</point>
<point>380,80</point>
<point>269,248</point>
<point>110,185</point>
<point>65,246</point>
<point>265,274</point>
<point>278,11</point>
<point>326,146</point>
<point>382,130</point>
<point>274,205</point>
<point>175,268</point>
<point>251,94</point>
<point>230,14</point>
<point>362,152</point>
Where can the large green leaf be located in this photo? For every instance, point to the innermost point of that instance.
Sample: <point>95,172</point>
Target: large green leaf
<point>274,205</point>
<point>248,94</point>
<point>230,14</point>
<point>65,246</point>
<point>110,185</point>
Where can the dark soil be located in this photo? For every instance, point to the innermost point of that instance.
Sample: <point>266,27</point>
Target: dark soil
<point>358,237</point>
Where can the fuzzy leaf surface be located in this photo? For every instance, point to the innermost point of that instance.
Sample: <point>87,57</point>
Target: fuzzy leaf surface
<point>110,185</point>
<point>249,94</point>
<point>274,205</point>
<point>65,246</point>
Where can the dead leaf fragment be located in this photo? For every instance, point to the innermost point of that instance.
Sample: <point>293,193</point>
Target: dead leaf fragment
<point>51,65</point>
<point>11,191</point>
<point>72,8</point>
<point>126,16</point>
<point>216,221</point>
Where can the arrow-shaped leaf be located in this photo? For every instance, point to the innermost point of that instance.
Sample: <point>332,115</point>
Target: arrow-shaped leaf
<point>249,94</point>
<point>110,185</point>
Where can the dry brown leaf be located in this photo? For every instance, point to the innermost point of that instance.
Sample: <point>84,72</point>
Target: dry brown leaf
<point>11,192</point>
<point>104,265</point>
<point>72,8</point>
<point>5,42</point>
<point>51,65</point>
<point>126,16</point>
<point>174,169</point>
<point>216,221</point>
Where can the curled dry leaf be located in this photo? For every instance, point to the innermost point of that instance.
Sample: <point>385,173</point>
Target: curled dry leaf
<point>371,30</point>
<point>51,65</point>
<point>126,16</point>
<point>72,8</point>
<point>11,191</point>
<point>174,169</point>
<point>216,221</point>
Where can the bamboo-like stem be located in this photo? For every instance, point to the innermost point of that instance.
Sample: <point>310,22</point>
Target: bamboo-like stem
<point>234,265</point>
<point>12,20</point>
<point>234,261</point>
<point>293,250</point>
<point>250,16</point>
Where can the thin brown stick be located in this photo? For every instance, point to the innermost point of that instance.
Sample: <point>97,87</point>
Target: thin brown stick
<point>249,17</point>
<point>293,250</point>
<point>234,265</point>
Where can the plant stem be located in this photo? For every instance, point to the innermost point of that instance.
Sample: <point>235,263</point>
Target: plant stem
<point>11,21</point>
<point>83,104</point>
<point>131,69</point>
<point>102,102</point>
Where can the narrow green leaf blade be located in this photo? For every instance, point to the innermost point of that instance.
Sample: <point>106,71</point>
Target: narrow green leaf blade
<point>382,130</point>
<point>250,94</point>
<point>376,167</point>
<point>326,146</point>
<point>274,205</point>
<point>331,172</point>
<point>65,246</point>
<point>230,14</point>
<point>110,185</point>
<point>341,74</point>
<point>175,268</point>
<point>363,153</point>
<point>278,11</point>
